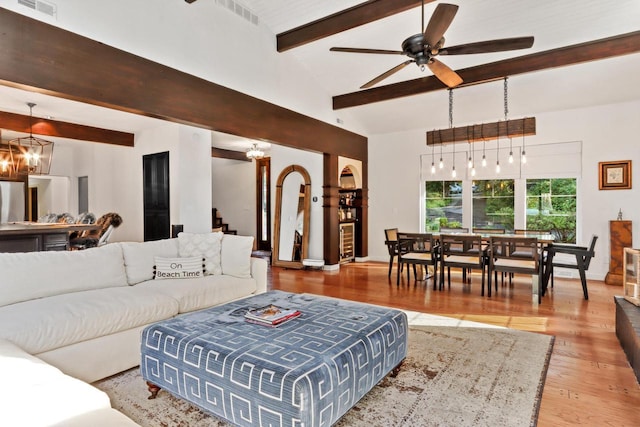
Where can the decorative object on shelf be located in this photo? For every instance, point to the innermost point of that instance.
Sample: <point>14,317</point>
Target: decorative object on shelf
<point>620,215</point>
<point>30,155</point>
<point>254,152</point>
<point>614,175</point>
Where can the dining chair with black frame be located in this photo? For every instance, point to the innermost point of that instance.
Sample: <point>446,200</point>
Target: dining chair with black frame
<point>462,251</point>
<point>391,240</point>
<point>514,254</point>
<point>582,258</point>
<point>417,249</point>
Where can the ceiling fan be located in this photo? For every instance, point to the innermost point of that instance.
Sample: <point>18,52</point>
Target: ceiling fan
<point>423,48</point>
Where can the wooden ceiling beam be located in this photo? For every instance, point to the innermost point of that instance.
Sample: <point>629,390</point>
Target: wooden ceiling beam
<point>229,154</point>
<point>483,132</point>
<point>46,127</point>
<point>347,19</point>
<point>67,65</point>
<point>623,44</point>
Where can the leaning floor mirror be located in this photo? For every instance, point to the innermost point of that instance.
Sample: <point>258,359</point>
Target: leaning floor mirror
<point>293,212</point>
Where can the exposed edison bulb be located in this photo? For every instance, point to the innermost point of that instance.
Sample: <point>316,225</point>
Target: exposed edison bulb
<point>441,164</point>
<point>510,156</point>
<point>433,168</point>
<point>453,172</point>
<point>524,157</point>
<point>473,171</point>
<point>484,161</point>
<point>497,167</point>
<point>470,164</point>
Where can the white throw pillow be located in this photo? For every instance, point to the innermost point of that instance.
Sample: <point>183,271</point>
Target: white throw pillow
<point>178,268</point>
<point>139,257</point>
<point>205,245</point>
<point>236,255</point>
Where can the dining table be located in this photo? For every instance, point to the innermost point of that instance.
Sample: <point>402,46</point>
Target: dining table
<point>544,239</point>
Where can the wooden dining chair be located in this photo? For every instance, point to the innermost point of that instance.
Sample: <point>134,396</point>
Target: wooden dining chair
<point>461,251</point>
<point>417,249</point>
<point>517,255</point>
<point>579,259</point>
<point>391,240</point>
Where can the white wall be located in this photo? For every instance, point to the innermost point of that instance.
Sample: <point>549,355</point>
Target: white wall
<point>53,194</point>
<point>115,178</point>
<point>233,193</point>
<point>607,133</point>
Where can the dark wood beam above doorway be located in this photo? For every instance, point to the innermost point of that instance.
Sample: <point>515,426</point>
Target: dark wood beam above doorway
<point>344,20</point>
<point>47,127</point>
<point>622,44</point>
<point>61,63</point>
<point>229,154</point>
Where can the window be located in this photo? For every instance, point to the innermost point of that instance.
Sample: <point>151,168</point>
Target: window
<point>493,202</point>
<point>551,205</point>
<point>443,205</point>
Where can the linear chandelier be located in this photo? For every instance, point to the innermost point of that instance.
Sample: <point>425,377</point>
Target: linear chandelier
<point>481,133</point>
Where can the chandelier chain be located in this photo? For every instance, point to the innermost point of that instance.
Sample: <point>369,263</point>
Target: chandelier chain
<point>450,108</point>
<point>506,99</point>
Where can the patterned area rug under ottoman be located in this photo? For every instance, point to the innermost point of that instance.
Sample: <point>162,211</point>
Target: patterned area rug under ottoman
<point>453,376</point>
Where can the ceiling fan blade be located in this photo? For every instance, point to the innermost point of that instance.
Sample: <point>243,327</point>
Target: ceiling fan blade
<point>386,74</point>
<point>489,46</point>
<point>445,74</point>
<point>358,50</point>
<point>439,22</point>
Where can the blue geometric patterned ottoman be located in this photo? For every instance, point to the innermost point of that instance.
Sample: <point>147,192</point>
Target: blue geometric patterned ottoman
<point>306,372</point>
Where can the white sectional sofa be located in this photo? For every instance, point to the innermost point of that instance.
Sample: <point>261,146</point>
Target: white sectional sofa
<point>78,315</point>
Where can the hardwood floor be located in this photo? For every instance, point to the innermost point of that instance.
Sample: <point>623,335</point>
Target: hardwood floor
<point>589,381</point>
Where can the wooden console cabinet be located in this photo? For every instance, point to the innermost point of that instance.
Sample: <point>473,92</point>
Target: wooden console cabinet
<point>620,238</point>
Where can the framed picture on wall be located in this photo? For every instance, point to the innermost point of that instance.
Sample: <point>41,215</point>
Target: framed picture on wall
<point>615,175</point>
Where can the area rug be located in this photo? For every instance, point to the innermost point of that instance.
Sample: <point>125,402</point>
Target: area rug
<point>452,376</point>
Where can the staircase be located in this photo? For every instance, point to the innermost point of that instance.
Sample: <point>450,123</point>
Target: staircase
<point>216,222</point>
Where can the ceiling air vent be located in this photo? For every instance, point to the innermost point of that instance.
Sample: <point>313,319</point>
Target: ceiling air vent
<point>239,9</point>
<point>39,5</point>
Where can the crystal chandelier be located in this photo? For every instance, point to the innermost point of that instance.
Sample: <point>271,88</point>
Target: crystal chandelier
<point>254,152</point>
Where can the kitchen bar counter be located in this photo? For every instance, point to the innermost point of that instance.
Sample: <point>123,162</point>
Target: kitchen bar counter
<point>36,236</point>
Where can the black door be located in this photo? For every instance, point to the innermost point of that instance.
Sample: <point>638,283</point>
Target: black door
<point>155,169</point>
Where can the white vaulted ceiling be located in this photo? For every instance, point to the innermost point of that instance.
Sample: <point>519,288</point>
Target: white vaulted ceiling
<point>553,23</point>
